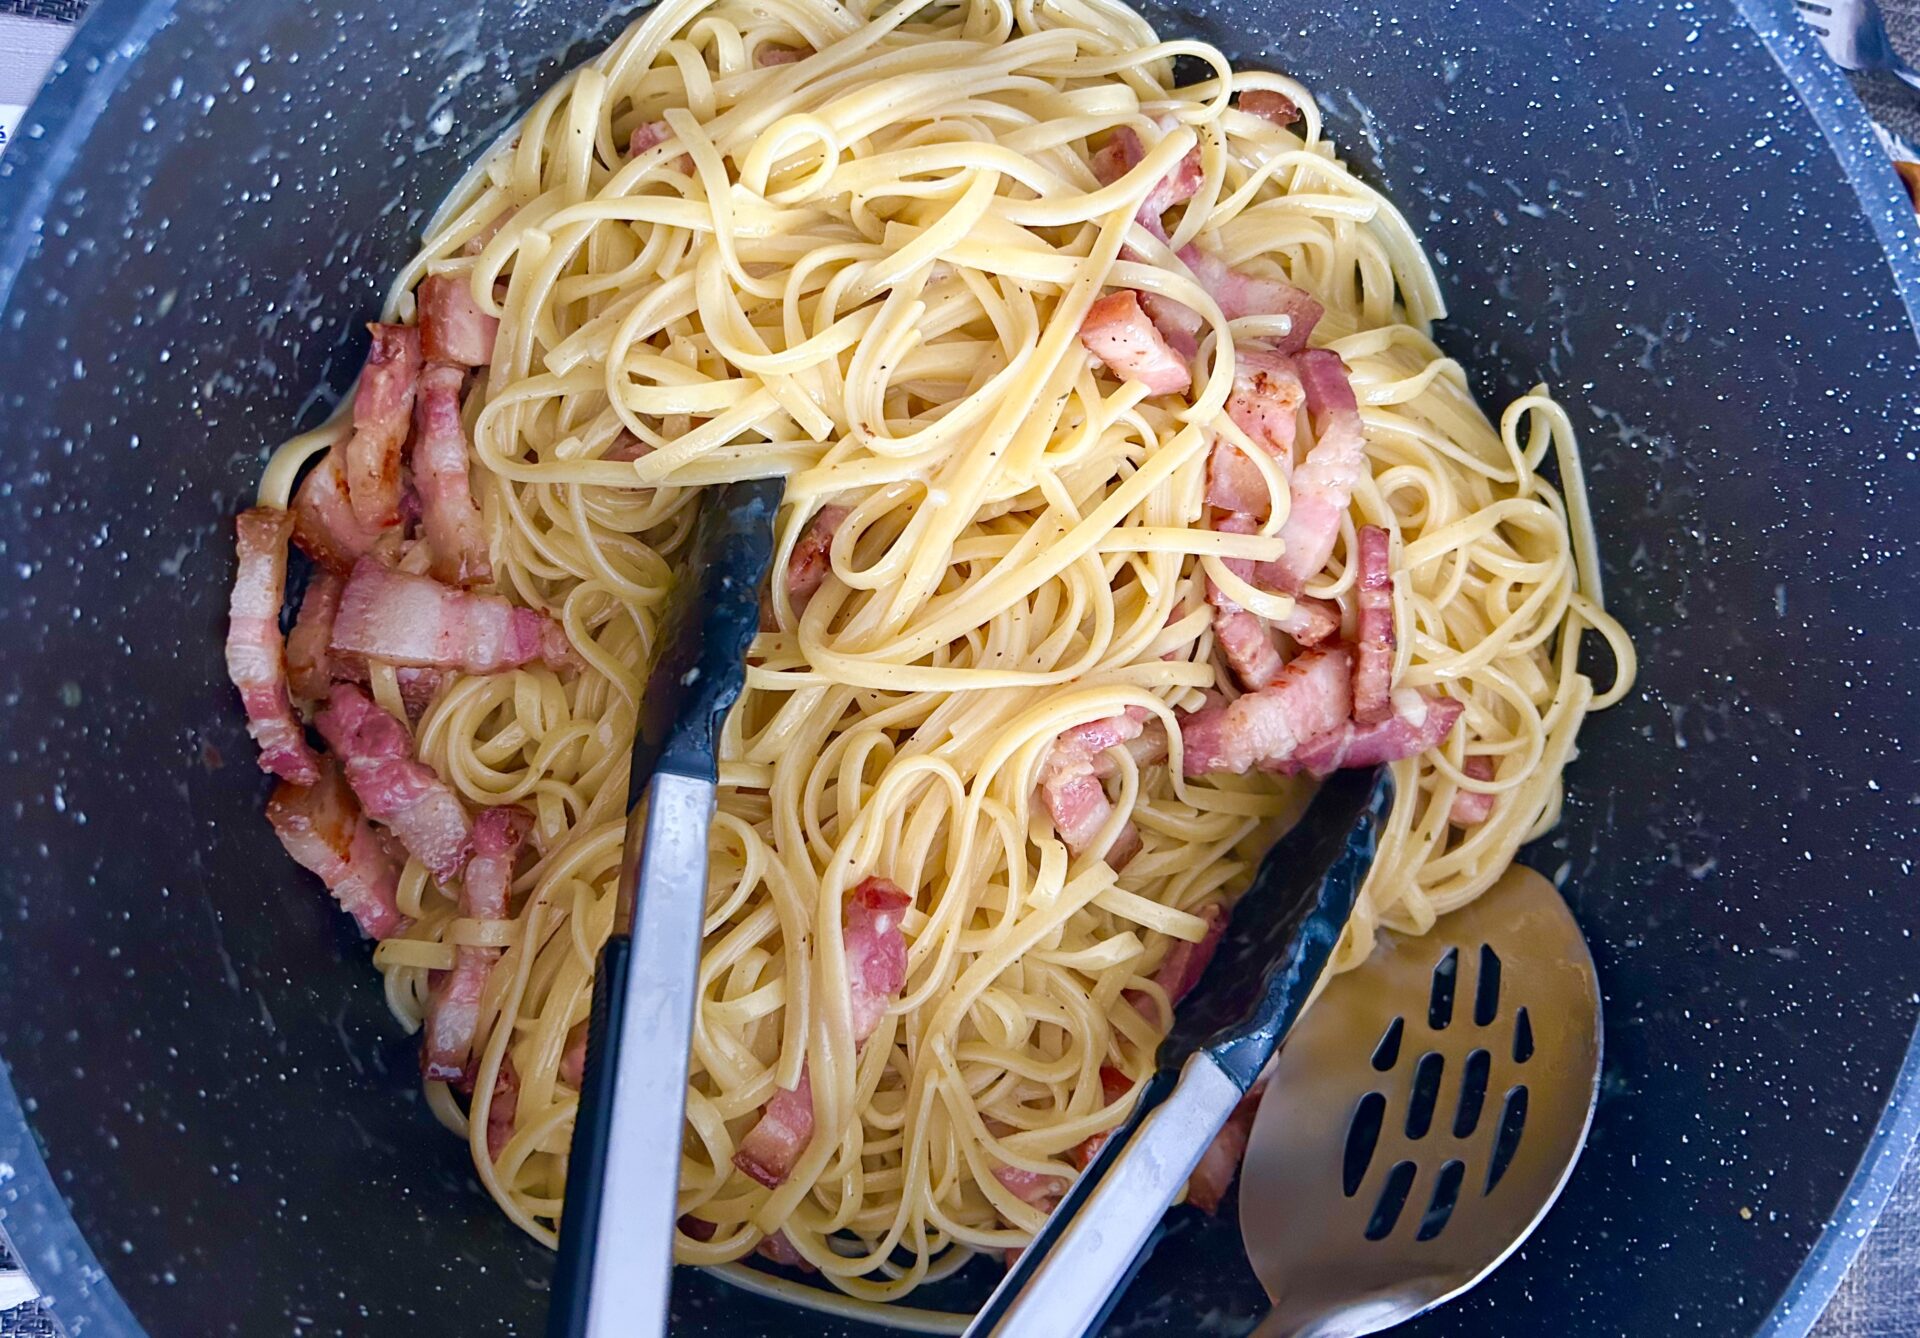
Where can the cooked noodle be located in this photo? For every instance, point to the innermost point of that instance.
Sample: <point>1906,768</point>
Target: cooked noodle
<point>871,282</point>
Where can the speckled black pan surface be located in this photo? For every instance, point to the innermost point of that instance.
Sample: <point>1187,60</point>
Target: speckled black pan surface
<point>1630,201</point>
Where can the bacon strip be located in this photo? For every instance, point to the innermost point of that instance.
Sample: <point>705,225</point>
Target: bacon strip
<point>1235,483</point>
<point>256,653</point>
<point>453,1013</point>
<point>1311,696</point>
<point>323,521</point>
<point>1118,333</point>
<point>453,328</point>
<point>1419,721</point>
<point>1114,1085</point>
<point>773,53</point>
<point>322,828</point>
<point>1266,399</point>
<point>1270,105</point>
<point>1123,152</point>
<point>1070,779</point>
<point>1471,807</point>
<point>1373,654</point>
<point>1220,1163</point>
<point>1177,323</point>
<point>1186,962</point>
<point>1248,646</point>
<point>1240,294</point>
<point>781,1251</point>
<point>573,1061</point>
<point>505,1107</point>
<point>812,560</point>
<point>309,666</point>
<point>876,950</point>
<point>395,789</point>
<point>1325,480</point>
<point>1033,1187</point>
<point>645,136</point>
<point>415,620</point>
<point>452,521</point>
<point>382,409</point>
<point>1242,636</point>
<point>785,1127</point>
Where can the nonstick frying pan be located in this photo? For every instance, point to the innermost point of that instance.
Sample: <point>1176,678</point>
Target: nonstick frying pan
<point>1670,211</point>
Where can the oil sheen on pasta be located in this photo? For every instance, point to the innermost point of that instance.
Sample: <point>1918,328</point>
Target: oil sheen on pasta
<point>868,279</point>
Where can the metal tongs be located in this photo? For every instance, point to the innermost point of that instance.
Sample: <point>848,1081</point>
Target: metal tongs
<point>1281,937</point>
<point>615,1270</point>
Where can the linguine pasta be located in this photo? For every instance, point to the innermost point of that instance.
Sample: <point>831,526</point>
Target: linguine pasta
<point>865,270</point>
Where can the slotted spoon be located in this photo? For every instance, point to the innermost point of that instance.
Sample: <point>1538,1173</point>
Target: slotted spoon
<point>1423,1116</point>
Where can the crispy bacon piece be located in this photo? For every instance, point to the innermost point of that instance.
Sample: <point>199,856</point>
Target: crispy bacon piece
<point>1471,807</point>
<point>1079,807</point>
<point>1177,323</point>
<point>1373,653</point>
<point>309,665</point>
<point>505,1107</point>
<point>1114,1085</point>
<point>1032,1187</point>
<point>1118,333</point>
<point>323,521</point>
<point>1419,721</point>
<point>1324,482</point>
<point>256,653</point>
<point>573,1061</point>
<point>876,950</point>
<point>1312,696</point>
<point>812,560</point>
<point>1248,646</point>
<point>453,328</point>
<point>1266,399</point>
<point>453,1013</point>
<point>1186,962</point>
<point>645,136</point>
<point>781,1251</point>
<point>393,788</point>
<point>699,1228</point>
<point>1312,620</point>
<point>1240,294</point>
<point>323,829</point>
<point>1269,105</point>
<point>452,522</point>
<point>626,448</point>
<point>382,410</point>
<point>1220,1163</point>
<point>650,133</point>
<point>415,620</point>
<point>1235,483</point>
<point>1244,638</point>
<point>1123,152</point>
<point>785,1127</point>
<point>1070,779</point>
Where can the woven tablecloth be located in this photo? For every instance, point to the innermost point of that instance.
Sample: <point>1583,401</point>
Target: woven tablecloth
<point>1880,1296</point>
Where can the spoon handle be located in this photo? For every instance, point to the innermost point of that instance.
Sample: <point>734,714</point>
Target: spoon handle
<point>615,1269</point>
<point>1075,1267</point>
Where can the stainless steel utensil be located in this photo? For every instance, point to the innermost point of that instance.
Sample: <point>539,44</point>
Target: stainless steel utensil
<point>616,1240</point>
<point>1423,1116</point>
<point>1855,36</point>
<point>1279,941</point>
